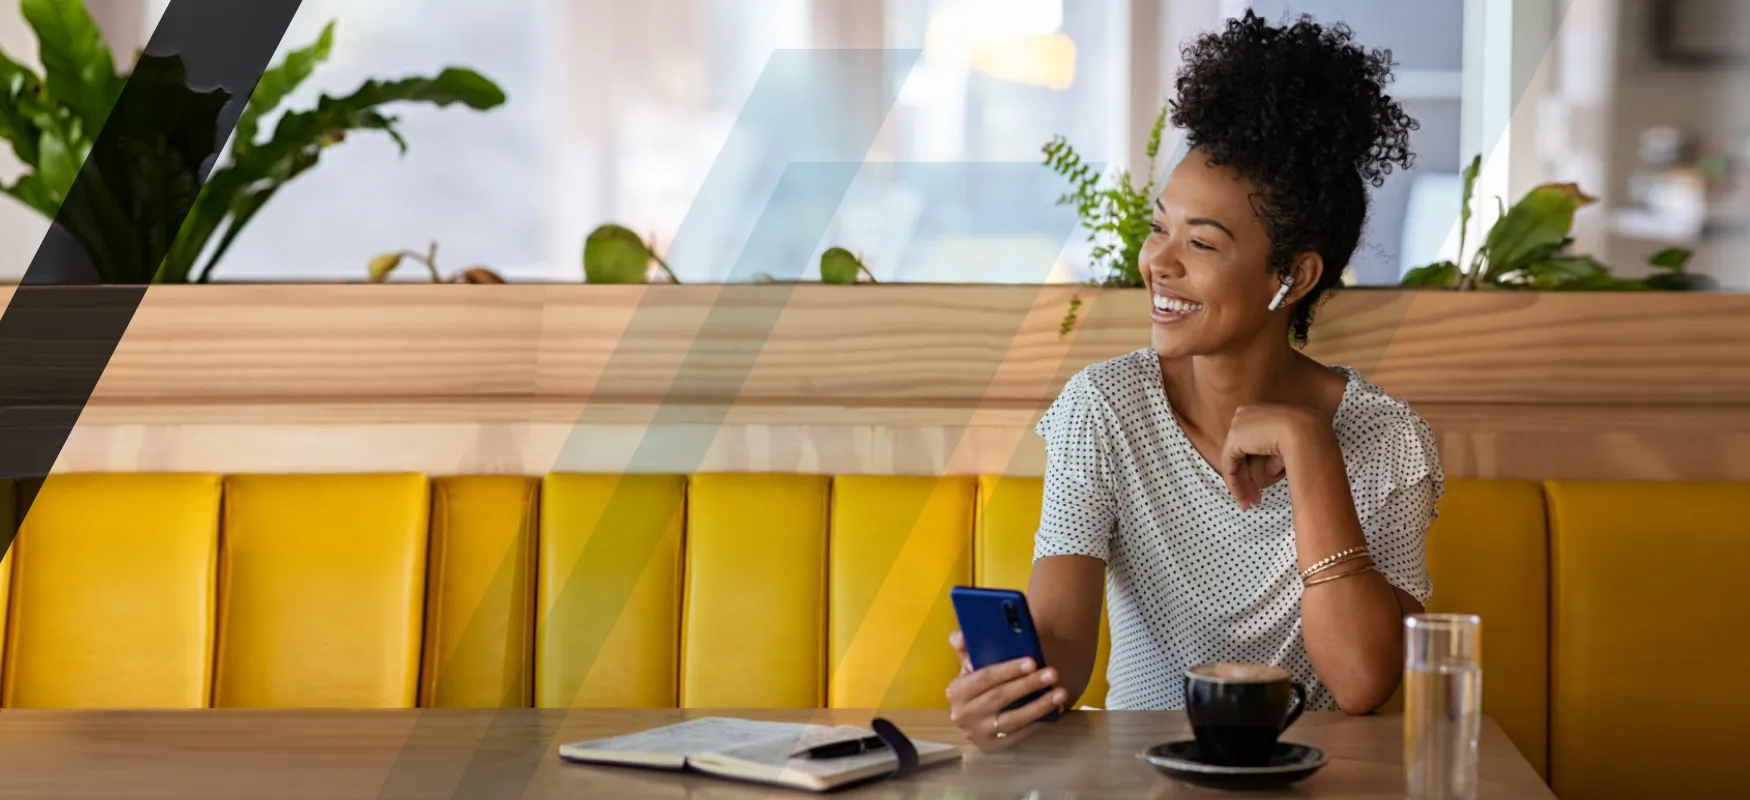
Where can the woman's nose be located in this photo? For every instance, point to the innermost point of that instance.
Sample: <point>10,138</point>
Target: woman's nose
<point>1161,262</point>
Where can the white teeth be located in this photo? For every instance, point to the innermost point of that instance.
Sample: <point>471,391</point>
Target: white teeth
<point>1175,305</point>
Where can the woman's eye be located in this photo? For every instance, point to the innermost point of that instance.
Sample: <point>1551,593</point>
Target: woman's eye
<point>1156,228</point>
<point>1201,246</point>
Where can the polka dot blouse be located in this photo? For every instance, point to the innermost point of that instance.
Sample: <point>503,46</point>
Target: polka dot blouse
<point>1190,577</point>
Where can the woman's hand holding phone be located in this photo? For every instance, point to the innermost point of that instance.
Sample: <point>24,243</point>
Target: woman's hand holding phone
<point>977,697</point>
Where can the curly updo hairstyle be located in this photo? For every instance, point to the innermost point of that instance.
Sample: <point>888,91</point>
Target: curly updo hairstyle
<point>1301,112</point>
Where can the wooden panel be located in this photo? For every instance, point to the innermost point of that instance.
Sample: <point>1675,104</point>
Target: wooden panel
<point>902,379</point>
<point>906,345</point>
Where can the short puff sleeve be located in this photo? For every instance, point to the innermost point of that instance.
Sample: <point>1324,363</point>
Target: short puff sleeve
<point>1397,488</point>
<point>1079,511</point>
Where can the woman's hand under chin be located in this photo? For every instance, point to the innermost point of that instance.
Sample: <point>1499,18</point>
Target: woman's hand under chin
<point>1265,441</point>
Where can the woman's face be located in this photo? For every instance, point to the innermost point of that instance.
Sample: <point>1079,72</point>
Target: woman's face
<point>1205,262</point>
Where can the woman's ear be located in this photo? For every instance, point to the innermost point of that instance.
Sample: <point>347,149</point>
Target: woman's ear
<point>1308,268</point>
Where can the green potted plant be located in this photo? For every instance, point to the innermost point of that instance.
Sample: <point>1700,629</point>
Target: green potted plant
<point>841,266</point>
<point>52,120</point>
<point>1116,214</point>
<point>614,254</point>
<point>1526,248</point>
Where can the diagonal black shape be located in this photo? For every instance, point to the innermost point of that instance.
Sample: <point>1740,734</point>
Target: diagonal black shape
<point>178,106</point>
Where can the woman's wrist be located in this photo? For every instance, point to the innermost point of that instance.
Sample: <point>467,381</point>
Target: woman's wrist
<point>1319,487</point>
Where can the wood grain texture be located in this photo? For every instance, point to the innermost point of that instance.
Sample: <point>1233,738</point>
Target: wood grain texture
<point>907,345</point>
<point>469,753</point>
<point>902,379</point>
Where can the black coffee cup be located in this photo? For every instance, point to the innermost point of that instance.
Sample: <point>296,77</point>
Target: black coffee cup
<point>1238,710</point>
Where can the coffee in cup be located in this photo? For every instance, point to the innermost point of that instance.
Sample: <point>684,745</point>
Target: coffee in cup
<point>1238,710</point>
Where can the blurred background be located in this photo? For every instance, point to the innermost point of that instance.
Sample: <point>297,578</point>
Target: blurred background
<point>618,111</point>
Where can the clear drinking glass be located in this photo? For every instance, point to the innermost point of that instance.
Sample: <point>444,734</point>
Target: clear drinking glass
<point>1443,684</point>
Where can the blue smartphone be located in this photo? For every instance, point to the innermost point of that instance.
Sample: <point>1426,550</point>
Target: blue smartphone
<point>997,627</point>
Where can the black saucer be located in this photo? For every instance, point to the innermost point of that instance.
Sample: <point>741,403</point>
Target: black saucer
<point>1289,762</point>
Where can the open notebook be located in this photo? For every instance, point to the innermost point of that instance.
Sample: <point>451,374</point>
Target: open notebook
<point>750,750</point>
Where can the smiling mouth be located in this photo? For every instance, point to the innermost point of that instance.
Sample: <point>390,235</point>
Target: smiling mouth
<point>1168,308</point>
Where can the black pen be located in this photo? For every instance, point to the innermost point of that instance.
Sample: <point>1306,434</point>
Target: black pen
<point>843,749</point>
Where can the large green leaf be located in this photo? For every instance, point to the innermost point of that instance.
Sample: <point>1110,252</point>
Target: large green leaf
<point>614,254</point>
<point>21,109</point>
<point>13,77</point>
<point>279,82</point>
<point>839,266</point>
<point>1527,231</point>
<point>1671,258</point>
<point>159,176</point>
<point>1438,275</point>
<point>333,116</point>
<point>237,191</point>
<point>1565,272</point>
<point>57,164</point>
<point>11,72</point>
<point>29,190</point>
<point>137,189</point>
<point>1541,252</point>
<point>77,65</point>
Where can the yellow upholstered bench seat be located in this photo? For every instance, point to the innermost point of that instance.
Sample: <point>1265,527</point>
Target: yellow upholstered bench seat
<point>113,603</point>
<point>1650,639</point>
<point>754,626</point>
<point>1604,606</point>
<point>607,627</point>
<point>480,593</point>
<point>321,591</point>
<point>898,545</point>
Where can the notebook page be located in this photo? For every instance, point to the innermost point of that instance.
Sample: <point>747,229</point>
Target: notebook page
<point>776,752</point>
<point>697,736</point>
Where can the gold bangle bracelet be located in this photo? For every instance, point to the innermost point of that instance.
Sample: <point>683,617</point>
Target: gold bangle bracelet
<point>1332,559</point>
<point>1338,576</point>
<point>1333,565</point>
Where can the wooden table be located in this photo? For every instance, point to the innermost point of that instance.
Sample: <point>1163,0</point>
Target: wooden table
<point>457,754</point>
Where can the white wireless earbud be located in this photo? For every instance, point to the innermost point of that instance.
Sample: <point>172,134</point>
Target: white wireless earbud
<point>1287,283</point>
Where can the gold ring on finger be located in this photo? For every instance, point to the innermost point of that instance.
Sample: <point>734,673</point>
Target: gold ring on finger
<point>997,725</point>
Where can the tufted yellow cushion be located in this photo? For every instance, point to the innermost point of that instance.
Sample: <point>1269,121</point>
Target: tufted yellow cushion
<point>898,545</point>
<point>755,615</point>
<point>1650,650</point>
<point>115,570</point>
<point>1008,520</point>
<point>1488,554</point>
<point>480,593</point>
<point>321,591</point>
<point>608,597</point>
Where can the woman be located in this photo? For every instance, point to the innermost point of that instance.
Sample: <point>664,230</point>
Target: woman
<point>1238,500</point>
